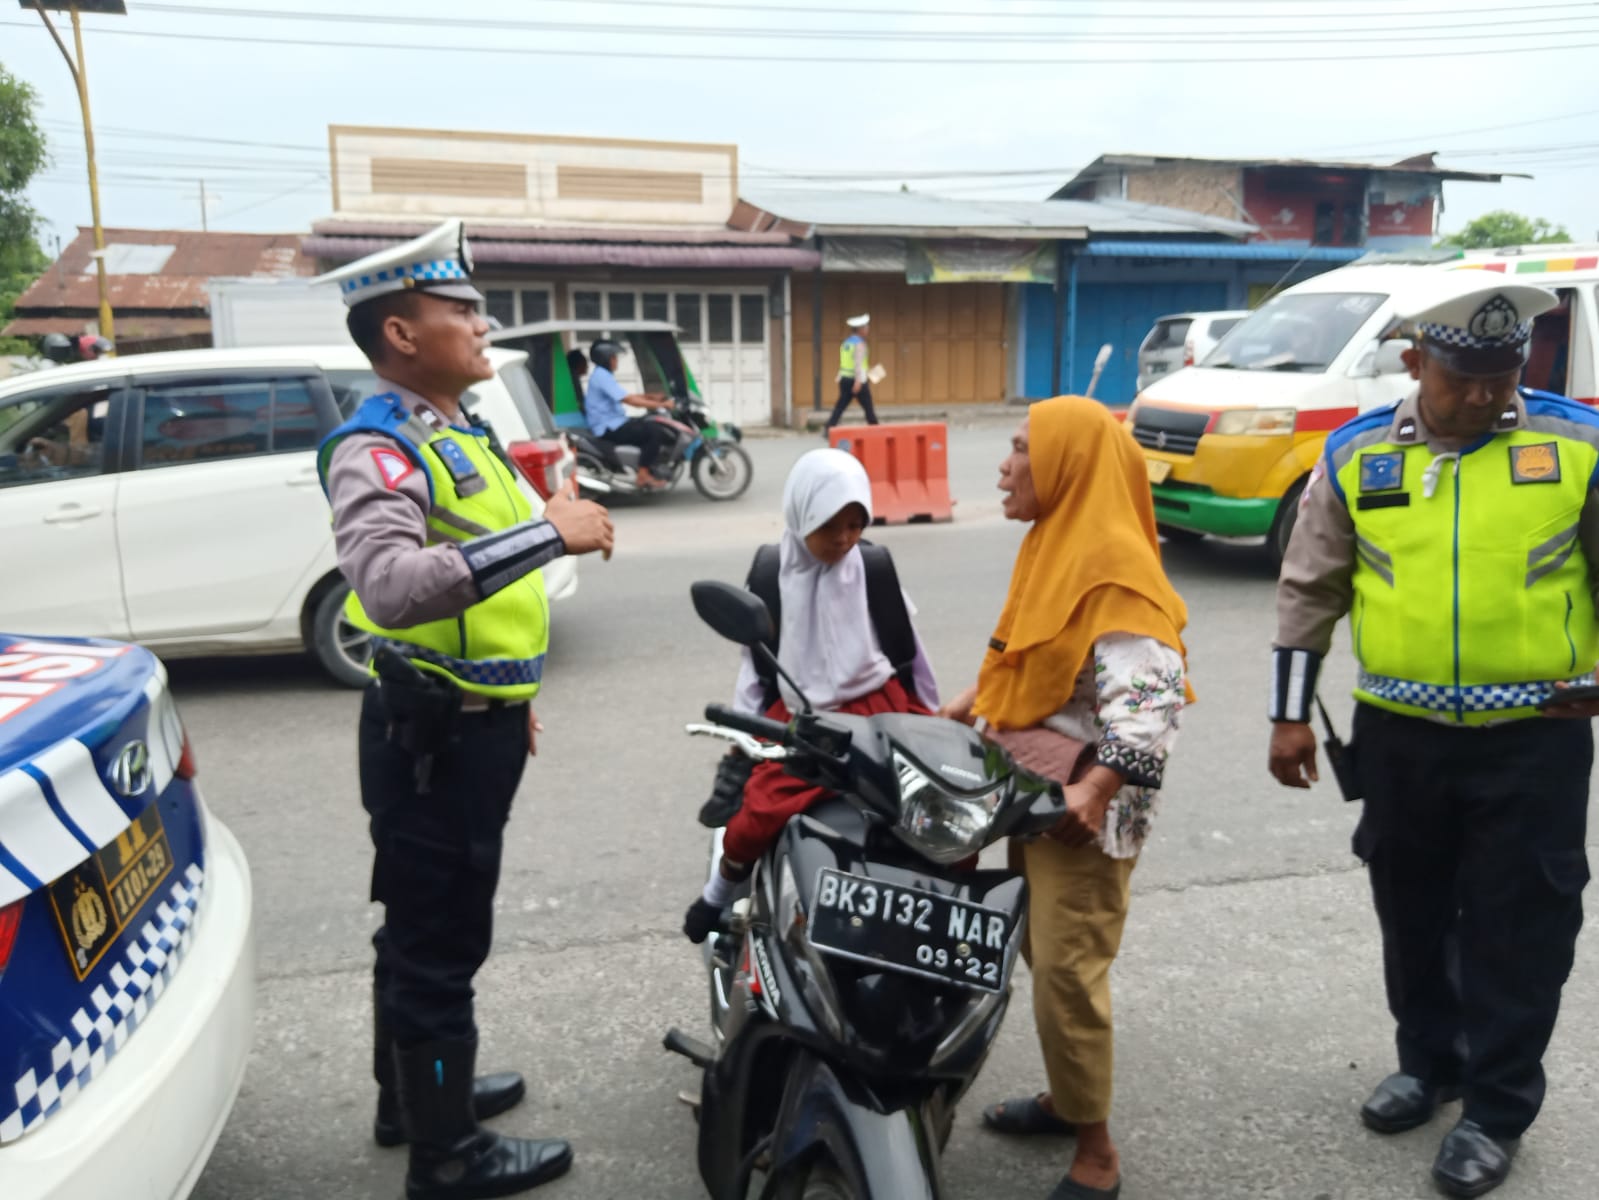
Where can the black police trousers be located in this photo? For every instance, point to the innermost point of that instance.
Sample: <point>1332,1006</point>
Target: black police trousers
<point>436,863</point>
<point>1473,838</point>
<point>846,393</point>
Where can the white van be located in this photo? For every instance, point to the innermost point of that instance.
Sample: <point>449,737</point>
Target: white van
<point>1231,441</point>
<point>173,499</point>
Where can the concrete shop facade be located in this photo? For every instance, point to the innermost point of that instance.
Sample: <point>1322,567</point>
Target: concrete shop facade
<point>587,229</point>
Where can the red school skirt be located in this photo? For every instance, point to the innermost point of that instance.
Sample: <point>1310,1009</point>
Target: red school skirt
<point>772,795</point>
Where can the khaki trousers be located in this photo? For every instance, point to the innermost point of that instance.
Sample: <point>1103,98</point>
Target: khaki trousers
<point>1077,905</point>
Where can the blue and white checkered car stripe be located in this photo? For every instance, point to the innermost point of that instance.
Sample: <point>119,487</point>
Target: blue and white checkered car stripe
<point>432,270</point>
<point>140,977</point>
<point>1442,698</point>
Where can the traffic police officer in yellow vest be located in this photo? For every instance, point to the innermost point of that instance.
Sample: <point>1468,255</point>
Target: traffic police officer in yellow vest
<point>443,555</point>
<point>1459,530</point>
<point>854,371</point>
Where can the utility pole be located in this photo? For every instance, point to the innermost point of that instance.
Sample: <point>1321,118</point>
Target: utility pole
<point>80,77</point>
<point>204,228</point>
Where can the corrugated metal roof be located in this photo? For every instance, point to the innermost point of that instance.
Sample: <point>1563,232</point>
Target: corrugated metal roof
<point>1225,250</point>
<point>775,258</point>
<point>1417,164</point>
<point>179,285</point>
<point>687,235</point>
<point>843,211</point>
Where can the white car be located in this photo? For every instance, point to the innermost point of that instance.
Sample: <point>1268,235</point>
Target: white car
<point>1181,340</point>
<point>173,499</point>
<point>127,937</point>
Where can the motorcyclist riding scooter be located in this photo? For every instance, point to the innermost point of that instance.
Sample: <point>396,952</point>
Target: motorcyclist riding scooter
<point>608,420</point>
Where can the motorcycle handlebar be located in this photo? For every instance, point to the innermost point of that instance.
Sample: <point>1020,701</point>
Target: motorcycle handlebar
<point>770,731</point>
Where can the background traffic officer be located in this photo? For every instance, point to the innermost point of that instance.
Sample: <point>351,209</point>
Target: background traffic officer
<point>440,548</point>
<point>854,371</point>
<point>1460,529</point>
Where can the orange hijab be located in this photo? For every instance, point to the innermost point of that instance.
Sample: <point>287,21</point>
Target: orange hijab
<point>1090,565</point>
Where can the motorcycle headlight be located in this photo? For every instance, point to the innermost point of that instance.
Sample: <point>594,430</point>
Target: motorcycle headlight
<point>1267,422</point>
<point>938,824</point>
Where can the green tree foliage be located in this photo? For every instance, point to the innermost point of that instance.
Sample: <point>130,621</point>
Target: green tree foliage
<point>22,154</point>
<point>1505,228</point>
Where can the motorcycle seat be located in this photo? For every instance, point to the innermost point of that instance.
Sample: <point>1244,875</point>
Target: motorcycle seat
<point>617,458</point>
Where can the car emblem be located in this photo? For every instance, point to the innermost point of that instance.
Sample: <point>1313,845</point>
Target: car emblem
<point>130,774</point>
<point>1160,440</point>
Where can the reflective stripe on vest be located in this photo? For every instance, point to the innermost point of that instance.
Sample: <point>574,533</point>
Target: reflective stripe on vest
<point>1471,602</point>
<point>496,647</point>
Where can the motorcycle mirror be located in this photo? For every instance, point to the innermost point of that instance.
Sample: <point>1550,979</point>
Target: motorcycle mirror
<point>736,614</point>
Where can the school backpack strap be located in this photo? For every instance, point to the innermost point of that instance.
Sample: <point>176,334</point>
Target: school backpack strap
<point>762,581</point>
<point>890,617</point>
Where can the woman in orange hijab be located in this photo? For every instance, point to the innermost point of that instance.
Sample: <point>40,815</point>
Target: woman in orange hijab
<point>1084,681</point>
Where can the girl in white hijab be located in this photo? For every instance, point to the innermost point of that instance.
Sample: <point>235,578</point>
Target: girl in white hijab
<point>828,643</point>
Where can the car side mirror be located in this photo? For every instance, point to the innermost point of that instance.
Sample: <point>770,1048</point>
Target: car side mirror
<point>1390,359</point>
<point>738,615</point>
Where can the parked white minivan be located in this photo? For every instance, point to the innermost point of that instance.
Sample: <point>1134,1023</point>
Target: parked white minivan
<point>1231,441</point>
<point>173,499</point>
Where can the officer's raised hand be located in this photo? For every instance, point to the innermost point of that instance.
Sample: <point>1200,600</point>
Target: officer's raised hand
<point>584,526</point>
<point>1293,754</point>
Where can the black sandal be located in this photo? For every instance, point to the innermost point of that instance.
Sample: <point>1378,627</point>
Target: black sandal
<point>1026,1117</point>
<point>1069,1189</point>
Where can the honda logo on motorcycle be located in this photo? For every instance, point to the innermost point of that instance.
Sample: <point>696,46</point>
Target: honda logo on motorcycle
<point>130,773</point>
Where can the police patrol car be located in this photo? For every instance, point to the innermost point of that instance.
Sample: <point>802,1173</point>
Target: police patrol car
<point>127,956</point>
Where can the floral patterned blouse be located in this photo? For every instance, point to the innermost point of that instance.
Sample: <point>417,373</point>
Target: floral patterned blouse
<point>1127,702</point>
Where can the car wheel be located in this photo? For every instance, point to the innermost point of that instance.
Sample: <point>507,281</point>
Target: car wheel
<point>343,650</point>
<point>1282,526</point>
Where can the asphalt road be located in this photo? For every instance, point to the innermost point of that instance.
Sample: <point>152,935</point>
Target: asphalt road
<point>1250,1013</point>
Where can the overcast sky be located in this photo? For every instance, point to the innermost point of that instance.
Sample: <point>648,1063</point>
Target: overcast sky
<point>816,90</point>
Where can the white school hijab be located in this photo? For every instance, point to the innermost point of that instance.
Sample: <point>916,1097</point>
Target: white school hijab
<point>827,642</point>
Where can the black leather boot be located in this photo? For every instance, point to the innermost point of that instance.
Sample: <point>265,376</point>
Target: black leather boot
<point>1403,1102</point>
<point>1471,1162</point>
<point>491,1094</point>
<point>452,1157</point>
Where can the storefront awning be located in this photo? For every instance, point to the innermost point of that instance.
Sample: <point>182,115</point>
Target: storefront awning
<point>1244,251</point>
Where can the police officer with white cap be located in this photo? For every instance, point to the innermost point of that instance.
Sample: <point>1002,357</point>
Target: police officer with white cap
<point>442,552</point>
<point>854,371</point>
<point>1459,528</point>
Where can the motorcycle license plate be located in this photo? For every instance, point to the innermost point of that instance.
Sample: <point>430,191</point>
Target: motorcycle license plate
<point>1159,469</point>
<point>910,930</point>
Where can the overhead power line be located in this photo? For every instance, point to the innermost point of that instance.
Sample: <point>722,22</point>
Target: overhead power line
<point>1422,50</point>
<point>1143,34</point>
<point>1252,11</point>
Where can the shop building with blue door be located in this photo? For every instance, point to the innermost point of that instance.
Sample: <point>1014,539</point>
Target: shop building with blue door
<point>1299,218</point>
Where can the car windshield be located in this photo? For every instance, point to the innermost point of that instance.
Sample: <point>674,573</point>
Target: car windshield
<point>1303,332</point>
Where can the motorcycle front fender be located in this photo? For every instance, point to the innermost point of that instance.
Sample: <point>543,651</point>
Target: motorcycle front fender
<point>882,1152</point>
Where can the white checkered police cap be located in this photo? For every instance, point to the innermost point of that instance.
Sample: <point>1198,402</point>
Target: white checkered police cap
<point>438,263</point>
<point>1474,323</point>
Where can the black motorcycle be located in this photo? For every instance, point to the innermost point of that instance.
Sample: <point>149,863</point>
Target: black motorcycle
<point>864,970</point>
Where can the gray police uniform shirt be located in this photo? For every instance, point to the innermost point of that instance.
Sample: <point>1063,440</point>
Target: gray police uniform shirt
<point>380,531</point>
<point>1316,588</point>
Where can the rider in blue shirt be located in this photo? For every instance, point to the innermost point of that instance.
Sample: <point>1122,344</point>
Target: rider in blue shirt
<point>602,408</point>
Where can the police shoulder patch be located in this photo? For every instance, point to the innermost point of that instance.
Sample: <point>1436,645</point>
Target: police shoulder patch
<point>1382,472</point>
<point>392,466</point>
<point>1538,463</point>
